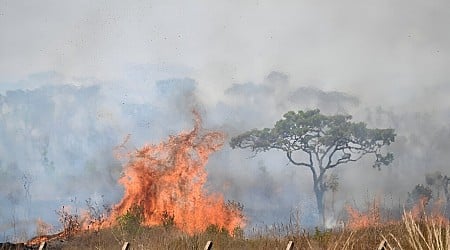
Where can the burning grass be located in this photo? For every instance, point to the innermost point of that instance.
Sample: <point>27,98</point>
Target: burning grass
<point>165,206</point>
<point>168,180</point>
<point>163,186</point>
<point>426,232</point>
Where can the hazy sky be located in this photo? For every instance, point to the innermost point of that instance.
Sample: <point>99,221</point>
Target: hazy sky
<point>77,76</point>
<point>384,49</point>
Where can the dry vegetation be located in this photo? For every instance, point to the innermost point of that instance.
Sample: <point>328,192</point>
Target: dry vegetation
<point>425,232</point>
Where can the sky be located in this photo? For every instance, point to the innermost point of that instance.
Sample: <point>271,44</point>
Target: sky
<point>338,46</point>
<point>77,76</point>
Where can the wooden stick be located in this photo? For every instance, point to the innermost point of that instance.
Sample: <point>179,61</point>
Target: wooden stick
<point>290,245</point>
<point>208,245</point>
<point>125,246</point>
<point>382,245</point>
<point>42,245</point>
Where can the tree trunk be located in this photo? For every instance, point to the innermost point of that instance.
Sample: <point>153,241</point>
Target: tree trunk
<point>319,199</point>
<point>333,197</point>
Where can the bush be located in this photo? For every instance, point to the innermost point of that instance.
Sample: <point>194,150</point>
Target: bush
<point>70,221</point>
<point>168,221</point>
<point>131,221</point>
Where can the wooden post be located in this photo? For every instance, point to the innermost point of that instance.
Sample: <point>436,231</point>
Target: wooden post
<point>382,245</point>
<point>208,245</point>
<point>42,245</point>
<point>290,245</point>
<point>125,246</point>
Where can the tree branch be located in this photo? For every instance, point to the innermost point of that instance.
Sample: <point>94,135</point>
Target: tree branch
<point>289,156</point>
<point>348,158</point>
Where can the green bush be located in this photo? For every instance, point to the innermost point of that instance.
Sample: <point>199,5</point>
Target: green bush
<point>322,237</point>
<point>131,221</point>
<point>168,220</point>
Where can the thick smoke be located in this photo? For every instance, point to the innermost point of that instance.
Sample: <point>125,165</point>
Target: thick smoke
<point>385,63</point>
<point>58,141</point>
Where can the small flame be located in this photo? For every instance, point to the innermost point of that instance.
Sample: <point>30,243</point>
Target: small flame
<point>359,220</point>
<point>422,210</point>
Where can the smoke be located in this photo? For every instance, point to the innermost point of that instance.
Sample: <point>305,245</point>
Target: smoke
<point>58,140</point>
<point>422,140</point>
<point>76,79</point>
<point>169,179</point>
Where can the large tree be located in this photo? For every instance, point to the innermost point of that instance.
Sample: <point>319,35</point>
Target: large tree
<point>319,142</point>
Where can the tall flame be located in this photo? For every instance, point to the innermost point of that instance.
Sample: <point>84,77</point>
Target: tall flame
<point>169,178</point>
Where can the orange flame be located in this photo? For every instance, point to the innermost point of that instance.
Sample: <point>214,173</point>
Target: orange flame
<point>359,220</point>
<point>419,211</point>
<point>169,178</point>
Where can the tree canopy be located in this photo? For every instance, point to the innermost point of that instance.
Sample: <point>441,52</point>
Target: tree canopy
<point>326,142</point>
<point>329,140</point>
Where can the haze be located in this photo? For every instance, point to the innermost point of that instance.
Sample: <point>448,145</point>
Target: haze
<point>76,77</point>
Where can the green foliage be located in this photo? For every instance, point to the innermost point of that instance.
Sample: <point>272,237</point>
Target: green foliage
<point>421,194</point>
<point>216,230</point>
<point>436,191</point>
<point>131,221</point>
<point>332,182</point>
<point>439,183</point>
<point>407,234</point>
<point>436,179</point>
<point>334,139</point>
<point>322,237</point>
<point>238,232</point>
<point>320,142</point>
<point>168,220</point>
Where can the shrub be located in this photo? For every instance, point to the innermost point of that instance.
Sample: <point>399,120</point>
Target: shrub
<point>131,221</point>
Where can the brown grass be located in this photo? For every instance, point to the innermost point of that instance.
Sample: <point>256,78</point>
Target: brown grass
<point>426,232</point>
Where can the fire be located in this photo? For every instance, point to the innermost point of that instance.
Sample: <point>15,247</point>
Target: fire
<point>165,181</point>
<point>359,220</point>
<point>421,210</point>
<point>169,178</point>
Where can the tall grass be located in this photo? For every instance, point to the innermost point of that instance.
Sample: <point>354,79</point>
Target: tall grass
<point>428,232</point>
<point>411,232</point>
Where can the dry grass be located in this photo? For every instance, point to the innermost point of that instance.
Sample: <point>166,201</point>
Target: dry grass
<point>425,232</point>
<point>171,238</point>
<point>428,232</point>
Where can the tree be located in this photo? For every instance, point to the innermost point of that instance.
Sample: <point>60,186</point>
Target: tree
<point>320,143</point>
<point>439,184</point>
<point>420,195</point>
